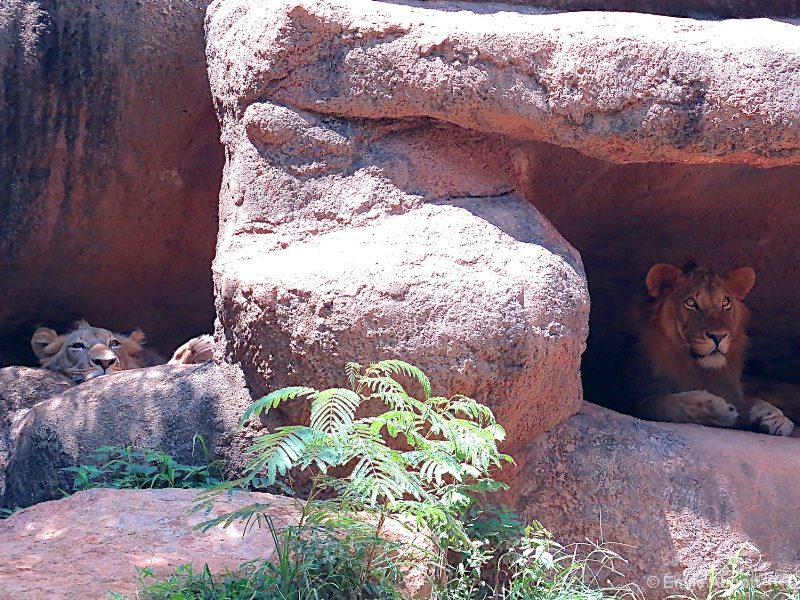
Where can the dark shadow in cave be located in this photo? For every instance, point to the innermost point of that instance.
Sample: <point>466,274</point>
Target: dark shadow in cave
<point>623,218</point>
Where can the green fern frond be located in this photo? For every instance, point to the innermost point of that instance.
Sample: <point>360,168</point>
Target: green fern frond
<point>334,409</point>
<point>353,372</point>
<point>272,400</point>
<point>395,422</point>
<point>280,451</point>
<point>392,367</point>
<point>389,391</point>
<point>473,410</point>
<point>379,474</point>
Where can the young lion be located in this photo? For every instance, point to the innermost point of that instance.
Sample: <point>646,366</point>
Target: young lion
<point>688,363</point>
<point>88,352</point>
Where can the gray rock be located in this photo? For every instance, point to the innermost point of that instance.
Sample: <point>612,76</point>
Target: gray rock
<point>158,408</point>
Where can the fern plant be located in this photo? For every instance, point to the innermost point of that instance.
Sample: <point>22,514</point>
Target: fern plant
<point>450,449</point>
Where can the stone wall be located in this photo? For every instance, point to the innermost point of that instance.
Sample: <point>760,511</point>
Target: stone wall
<point>109,170</point>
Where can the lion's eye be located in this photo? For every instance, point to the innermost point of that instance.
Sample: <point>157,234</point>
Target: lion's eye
<point>726,303</point>
<point>77,345</point>
<point>114,343</point>
<point>690,303</point>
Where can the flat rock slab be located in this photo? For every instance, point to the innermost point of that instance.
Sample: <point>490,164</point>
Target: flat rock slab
<point>624,87</point>
<point>674,500</point>
<point>93,541</point>
<point>80,547</point>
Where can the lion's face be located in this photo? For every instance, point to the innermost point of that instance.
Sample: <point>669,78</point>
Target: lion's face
<point>702,311</point>
<point>87,352</point>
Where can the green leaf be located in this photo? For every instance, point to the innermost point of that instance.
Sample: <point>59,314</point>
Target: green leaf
<point>333,410</point>
<point>273,399</point>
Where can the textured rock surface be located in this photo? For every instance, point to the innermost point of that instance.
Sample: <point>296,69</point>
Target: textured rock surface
<point>362,239</point>
<point>22,387</point>
<point>625,218</point>
<point>160,407</point>
<point>109,170</point>
<point>84,545</point>
<point>481,294</point>
<point>678,498</point>
<point>623,87</point>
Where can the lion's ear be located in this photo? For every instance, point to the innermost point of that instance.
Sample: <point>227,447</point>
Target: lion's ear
<point>133,343</point>
<point>46,343</point>
<point>138,336</point>
<point>662,278</point>
<point>740,281</point>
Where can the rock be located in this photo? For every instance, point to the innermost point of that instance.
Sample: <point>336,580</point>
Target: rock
<point>22,387</point>
<point>359,240</point>
<point>160,407</point>
<point>481,294</point>
<point>623,87</point>
<point>109,170</point>
<point>83,545</point>
<point>674,500</point>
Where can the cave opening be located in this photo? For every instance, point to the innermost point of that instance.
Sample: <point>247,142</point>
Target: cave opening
<point>623,218</point>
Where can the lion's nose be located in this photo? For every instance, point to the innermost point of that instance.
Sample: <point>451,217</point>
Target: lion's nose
<point>717,337</point>
<point>104,362</point>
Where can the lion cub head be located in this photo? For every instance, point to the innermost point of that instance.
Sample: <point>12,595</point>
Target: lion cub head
<point>701,313</point>
<point>87,352</point>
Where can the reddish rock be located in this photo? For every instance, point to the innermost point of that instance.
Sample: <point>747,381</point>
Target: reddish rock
<point>482,294</point>
<point>674,500</point>
<point>619,86</point>
<point>84,545</point>
<point>109,170</point>
<point>354,239</point>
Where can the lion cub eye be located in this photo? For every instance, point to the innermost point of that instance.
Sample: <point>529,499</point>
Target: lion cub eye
<point>114,343</point>
<point>77,345</point>
<point>690,303</point>
<point>726,303</point>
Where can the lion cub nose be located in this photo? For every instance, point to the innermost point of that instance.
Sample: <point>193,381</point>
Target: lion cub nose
<point>716,337</point>
<point>102,356</point>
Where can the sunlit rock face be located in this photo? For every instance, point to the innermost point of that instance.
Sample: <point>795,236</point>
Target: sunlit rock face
<point>365,214</point>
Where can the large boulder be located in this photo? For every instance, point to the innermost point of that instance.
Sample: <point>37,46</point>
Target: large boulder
<point>673,500</point>
<point>84,545</point>
<point>368,238</point>
<point>158,408</point>
<point>109,170</point>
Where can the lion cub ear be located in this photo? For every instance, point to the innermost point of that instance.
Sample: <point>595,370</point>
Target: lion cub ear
<point>46,343</point>
<point>133,343</point>
<point>661,278</point>
<point>740,281</point>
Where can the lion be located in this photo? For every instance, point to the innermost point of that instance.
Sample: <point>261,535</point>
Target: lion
<point>687,367</point>
<point>87,352</point>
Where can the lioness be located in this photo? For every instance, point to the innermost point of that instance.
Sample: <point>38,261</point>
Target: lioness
<point>88,352</point>
<point>688,363</point>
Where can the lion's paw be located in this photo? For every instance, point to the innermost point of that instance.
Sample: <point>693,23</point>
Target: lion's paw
<point>196,350</point>
<point>766,418</point>
<point>706,408</point>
